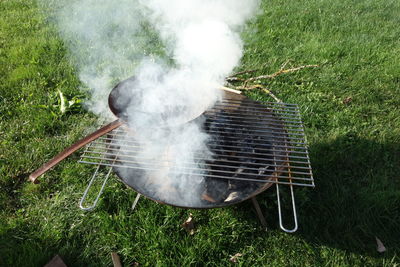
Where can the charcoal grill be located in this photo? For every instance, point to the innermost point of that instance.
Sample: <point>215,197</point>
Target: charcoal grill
<point>255,146</point>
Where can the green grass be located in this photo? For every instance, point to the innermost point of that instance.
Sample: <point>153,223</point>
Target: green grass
<point>355,149</point>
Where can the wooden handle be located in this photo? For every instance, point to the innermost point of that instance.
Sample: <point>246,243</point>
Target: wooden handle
<point>68,151</point>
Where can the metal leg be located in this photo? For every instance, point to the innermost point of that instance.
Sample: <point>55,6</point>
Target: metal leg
<point>259,213</point>
<point>280,211</point>
<point>136,201</point>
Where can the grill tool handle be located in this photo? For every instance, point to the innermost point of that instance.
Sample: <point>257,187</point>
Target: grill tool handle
<point>68,151</point>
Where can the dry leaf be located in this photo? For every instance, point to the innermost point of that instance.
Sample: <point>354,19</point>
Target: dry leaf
<point>235,257</point>
<point>347,100</point>
<point>188,225</point>
<point>380,247</point>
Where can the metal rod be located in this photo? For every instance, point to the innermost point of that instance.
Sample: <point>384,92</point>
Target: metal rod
<point>229,151</point>
<point>224,124</point>
<point>231,139</point>
<point>227,156</point>
<point>183,162</point>
<point>254,117</point>
<point>271,136</point>
<point>250,130</point>
<point>226,136</point>
<point>215,176</point>
<point>239,144</point>
<point>138,145</point>
<point>241,109</point>
<point>254,105</point>
<point>246,109</point>
<point>290,105</point>
<point>157,164</point>
<point>289,141</point>
<point>195,158</point>
<point>272,114</point>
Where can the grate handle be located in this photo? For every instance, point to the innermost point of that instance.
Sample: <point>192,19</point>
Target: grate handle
<point>280,210</point>
<point>83,199</point>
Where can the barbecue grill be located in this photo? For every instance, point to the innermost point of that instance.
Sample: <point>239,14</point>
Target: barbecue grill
<point>254,146</point>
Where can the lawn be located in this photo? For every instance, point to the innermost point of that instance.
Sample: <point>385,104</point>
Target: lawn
<point>350,106</point>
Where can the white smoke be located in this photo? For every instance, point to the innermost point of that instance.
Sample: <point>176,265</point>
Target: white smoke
<point>112,40</point>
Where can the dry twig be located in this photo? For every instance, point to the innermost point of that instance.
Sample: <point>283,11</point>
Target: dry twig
<point>256,86</point>
<point>272,95</point>
<point>279,72</point>
<point>251,83</point>
<point>234,78</point>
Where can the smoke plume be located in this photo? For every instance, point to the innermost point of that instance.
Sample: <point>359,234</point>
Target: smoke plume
<point>179,52</point>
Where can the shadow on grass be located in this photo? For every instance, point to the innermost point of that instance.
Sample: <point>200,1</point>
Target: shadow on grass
<point>18,249</point>
<point>357,196</point>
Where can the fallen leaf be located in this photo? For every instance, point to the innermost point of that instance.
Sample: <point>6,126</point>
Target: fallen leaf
<point>188,225</point>
<point>380,247</point>
<point>235,257</point>
<point>347,100</point>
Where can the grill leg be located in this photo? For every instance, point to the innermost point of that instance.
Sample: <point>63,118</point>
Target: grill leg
<point>259,213</point>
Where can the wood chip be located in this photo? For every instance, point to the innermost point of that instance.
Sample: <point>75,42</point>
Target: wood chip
<point>380,247</point>
<point>208,198</point>
<point>188,225</point>
<point>235,257</point>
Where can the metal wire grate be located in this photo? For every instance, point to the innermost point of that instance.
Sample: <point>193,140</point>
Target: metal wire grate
<point>268,137</point>
<point>253,144</point>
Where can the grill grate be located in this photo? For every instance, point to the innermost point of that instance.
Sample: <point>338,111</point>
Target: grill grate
<point>268,137</point>
<point>253,144</point>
